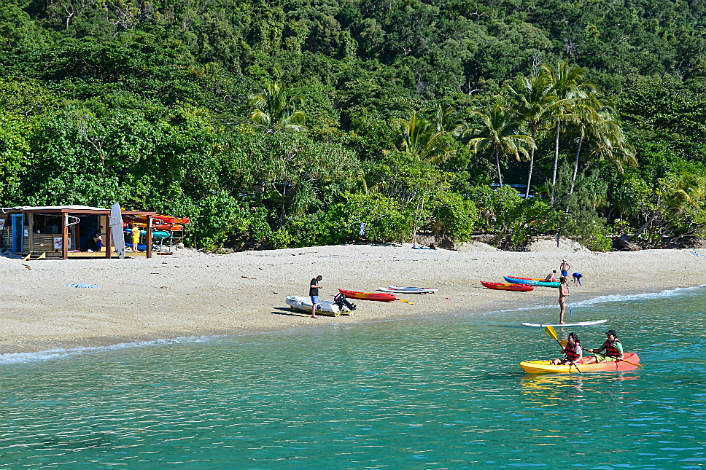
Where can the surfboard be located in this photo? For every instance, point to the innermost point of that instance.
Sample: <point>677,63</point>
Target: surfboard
<point>116,227</point>
<point>580,323</point>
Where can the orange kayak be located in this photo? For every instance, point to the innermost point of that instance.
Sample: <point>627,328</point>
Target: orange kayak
<point>505,286</point>
<point>379,296</point>
<point>546,367</point>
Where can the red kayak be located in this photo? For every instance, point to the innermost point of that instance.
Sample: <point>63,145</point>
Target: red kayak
<point>379,296</point>
<point>501,286</point>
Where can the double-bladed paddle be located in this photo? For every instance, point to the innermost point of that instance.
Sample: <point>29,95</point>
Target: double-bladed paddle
<point>549,330</point>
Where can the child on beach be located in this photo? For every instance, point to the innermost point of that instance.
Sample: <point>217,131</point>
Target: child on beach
<point>563,294</point>
<point>551,277</point>
<point>577,278</point>
<point>135,237</point>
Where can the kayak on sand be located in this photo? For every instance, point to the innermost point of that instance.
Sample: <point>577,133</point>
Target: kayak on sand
<point>379,296</point>
<point>531,281</point>
<point>407,290</point>
<point>546,367</point>
<point>503,286</point>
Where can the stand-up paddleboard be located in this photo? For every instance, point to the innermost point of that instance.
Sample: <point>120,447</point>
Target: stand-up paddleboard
<point>116,227</point>
<point>580,323</point>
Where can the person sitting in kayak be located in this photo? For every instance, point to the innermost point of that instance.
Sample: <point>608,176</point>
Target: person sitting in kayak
<point>551,277</point>
<point>572,350</point>
<point>613,350</point>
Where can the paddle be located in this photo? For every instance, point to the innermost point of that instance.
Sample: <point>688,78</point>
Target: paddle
<point>549,330</point>
<point>406,301</point>
<point>624,360</point>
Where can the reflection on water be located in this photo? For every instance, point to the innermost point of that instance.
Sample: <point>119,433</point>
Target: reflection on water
<point>410,394</point>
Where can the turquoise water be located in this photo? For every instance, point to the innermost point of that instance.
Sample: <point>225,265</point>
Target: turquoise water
<point>429,393</point>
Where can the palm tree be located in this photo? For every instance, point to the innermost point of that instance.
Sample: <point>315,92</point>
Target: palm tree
<point>613,146</point>
<point>421,138</point>
<point>275,110</point>
<point>590,118</point>
<point>500,134</point>
<point>567,85</point>
<point>536,99</point>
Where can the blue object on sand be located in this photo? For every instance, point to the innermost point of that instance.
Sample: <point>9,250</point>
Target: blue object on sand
<point>82,286</point>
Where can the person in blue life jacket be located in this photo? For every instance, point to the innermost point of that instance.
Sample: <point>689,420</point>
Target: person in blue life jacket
<point>613,348</point>
<point>573,353</point>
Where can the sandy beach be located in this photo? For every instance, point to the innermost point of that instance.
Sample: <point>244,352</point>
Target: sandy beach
<point>196,294</point>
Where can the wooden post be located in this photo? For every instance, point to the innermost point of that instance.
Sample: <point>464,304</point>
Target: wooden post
<point>108,239</point>
<point>65,236</point>
<point>149,237</point>
<point>30,216</point>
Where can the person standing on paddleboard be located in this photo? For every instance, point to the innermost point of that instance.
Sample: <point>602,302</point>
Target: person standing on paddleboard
<point>563,294</point>
<point>314,287</point>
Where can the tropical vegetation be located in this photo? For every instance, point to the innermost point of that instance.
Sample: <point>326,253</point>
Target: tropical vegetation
<point>304,122</point>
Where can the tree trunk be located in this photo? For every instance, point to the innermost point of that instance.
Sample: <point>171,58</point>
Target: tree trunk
<point>529,178</point>
<point>417,214</point>
<point>576,166</point>
<point>497,163</point>
<point>556,160</point>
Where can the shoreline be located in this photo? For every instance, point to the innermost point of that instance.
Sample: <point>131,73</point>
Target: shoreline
<point>200,295</point>
<point>116,343</point>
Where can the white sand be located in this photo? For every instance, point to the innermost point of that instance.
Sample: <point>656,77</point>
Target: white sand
<point>191,293</point>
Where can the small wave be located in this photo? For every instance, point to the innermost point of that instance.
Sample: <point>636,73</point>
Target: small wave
<point>614,298</point>
<point>60,353</point>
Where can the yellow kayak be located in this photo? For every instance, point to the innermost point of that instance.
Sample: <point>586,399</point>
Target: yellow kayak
<point>546,367</point>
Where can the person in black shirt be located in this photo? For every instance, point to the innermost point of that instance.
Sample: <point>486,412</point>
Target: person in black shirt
<point>314,294</point>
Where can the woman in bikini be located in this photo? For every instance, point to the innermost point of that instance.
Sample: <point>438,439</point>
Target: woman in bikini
<point>563,294</point>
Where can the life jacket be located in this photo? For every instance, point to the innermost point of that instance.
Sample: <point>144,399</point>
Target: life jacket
<point>610,348</point>
<point>572,352</point>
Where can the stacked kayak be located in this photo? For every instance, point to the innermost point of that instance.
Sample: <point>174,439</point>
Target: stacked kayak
<point>512,287</point>
<point>407,290</point>
<point>325,307</point>
<point>379,296</point>
<point>531,281</point>
<point>546,367</point>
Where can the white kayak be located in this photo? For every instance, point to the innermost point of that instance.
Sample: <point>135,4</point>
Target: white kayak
<point>325,307</point>
<point>580,323</point>
<point>407,290</point>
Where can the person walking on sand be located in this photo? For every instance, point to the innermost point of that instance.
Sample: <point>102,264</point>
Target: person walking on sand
<point>563,294</point>
<point>314,294</point>
<point>564,267</point>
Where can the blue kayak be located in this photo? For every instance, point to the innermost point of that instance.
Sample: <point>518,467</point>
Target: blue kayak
<point>531,282</point>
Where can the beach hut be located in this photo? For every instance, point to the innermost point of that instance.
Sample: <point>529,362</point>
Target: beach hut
<point>60,231</point>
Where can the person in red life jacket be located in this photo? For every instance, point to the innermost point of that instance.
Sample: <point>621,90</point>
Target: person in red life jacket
<point>613,350</point>
<point>572,351</point>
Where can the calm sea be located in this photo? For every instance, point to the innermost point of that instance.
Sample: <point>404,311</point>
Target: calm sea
<point>412,394</point>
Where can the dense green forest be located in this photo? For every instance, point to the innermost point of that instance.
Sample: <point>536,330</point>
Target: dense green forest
<point>291,122</point>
